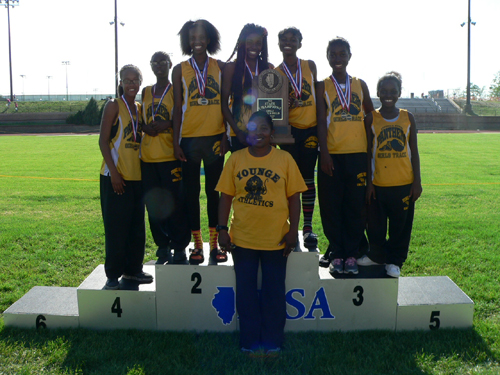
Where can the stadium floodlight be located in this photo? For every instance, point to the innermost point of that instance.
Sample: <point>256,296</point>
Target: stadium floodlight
<point>468,106</point>
<point>115,22</point>
<point>7,4</point>
<point>66,63</point>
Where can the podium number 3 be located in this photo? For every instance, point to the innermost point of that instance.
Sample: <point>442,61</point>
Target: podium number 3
<point>359,300</point>
<point>435,320</point>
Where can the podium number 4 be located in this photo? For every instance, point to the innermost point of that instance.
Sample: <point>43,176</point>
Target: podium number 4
<point>116,308</point>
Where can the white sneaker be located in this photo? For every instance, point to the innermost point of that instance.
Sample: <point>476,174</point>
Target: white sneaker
<point>392,270</point>
<point>365,261</point>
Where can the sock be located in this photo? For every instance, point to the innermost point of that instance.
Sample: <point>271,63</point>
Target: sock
<point>198,241</point>
<point>308,200</point>
<point>213,238</point>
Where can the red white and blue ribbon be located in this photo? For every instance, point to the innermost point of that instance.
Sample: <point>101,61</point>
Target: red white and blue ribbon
<point>345,99</point>
<point>201,77</point>
<point>297,81</point>
<point>153,91</point>
<point>256,69</point>
<point>135,123</point>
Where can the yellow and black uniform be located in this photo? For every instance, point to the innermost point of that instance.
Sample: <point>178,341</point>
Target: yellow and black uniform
<point>342,195</point>
<point>124,147</point>
<point>392,177</point>
<point>123,215</point>
<point>391,155</point>
<point>159,148</point>
<point>261,187</point>
<point>162,179</point>
<point>202,129</point>
<point>304,130</point>
<point>201,120</point>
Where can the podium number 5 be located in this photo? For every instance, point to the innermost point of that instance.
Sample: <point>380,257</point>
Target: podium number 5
<point>435,320</point>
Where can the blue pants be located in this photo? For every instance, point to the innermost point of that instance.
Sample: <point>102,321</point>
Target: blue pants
<point>262,317</point>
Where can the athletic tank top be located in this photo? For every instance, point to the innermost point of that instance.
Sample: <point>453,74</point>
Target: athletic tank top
<point>391,156</point>
<point>201,120</point>
<point>124,148</point>
<point>160,148</point>
<point>346,129</point>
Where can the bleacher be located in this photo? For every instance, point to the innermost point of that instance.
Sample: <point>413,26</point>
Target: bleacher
<point>420,105</point>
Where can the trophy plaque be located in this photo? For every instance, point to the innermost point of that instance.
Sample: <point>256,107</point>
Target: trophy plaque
<point>272,96</point>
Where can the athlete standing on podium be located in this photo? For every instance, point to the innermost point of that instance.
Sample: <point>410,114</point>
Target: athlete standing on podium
<point>199,130</point>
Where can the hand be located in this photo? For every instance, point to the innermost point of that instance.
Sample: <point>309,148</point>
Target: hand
<point>118,183</point>
<point>327,163</point>
<point>161,125</point>
<point>416,190</point>
<point>290,241</point>
<point>225,241</point>
<point>370,193</point>
<point>178,153</point>
<point>148,129</point>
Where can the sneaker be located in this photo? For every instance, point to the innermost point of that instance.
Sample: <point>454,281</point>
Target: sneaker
<point>273,353</point>
<point>393,270</point>
<point>141,278</point>
<point>324,261</point>
<point>365,261</point>
<point>337,266</point>
<point>351,266</point>
<point>310,239</point>
<point>162,260</point>
<point>112,284</point>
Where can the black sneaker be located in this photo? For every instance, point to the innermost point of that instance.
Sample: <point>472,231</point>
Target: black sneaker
<point>141,278</point>
<point>112,284</point>
<point>310,239</point>
<point>324,261</point>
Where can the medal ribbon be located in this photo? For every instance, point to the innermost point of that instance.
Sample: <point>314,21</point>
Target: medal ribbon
<point>297,81</point>
<point>345,99</point>
<point>201,77</point>
<point>153,89</point>
<point>135,123</point>
<point>256,69</point>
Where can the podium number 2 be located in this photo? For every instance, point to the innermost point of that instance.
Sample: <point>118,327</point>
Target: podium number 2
<point>358,301</point>
<point>39,322</point>
<point>435,320</point>
<point>195,289</point>
<point>116,308</point>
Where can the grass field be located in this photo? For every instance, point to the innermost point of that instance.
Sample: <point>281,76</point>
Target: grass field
<point>51,234</point>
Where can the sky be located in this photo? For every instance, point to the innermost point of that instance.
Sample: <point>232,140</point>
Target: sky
<point>422,39</point>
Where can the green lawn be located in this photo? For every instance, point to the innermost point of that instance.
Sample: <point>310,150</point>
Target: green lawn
<point>51,234</point>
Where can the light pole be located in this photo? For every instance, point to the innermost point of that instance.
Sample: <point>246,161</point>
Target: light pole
<point>115,22</point>
<point>66,63</point>
<point>11,3</point>
<point>48,85</point>
<point>468,106</point>
<point>23,76</point>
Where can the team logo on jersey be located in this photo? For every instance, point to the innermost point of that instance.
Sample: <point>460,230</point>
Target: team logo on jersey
<point>391,138</point>
<point>305,94</point>
<point>256,188</point>
<point>216,148</point>
<point>361,177</point>
<point>311,142</point>
<point>211,90</point>
<point>129,136</point>
<point>162,113</point>
<point>355,113</point>
<point>176,174</point>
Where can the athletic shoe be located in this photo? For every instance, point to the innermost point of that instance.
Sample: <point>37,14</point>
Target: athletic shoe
<point>162,260</point>
<point>273,353</point>
<point>112,284</point>
<point>310,239</point>
<point>393,270</point>
<point>324,261</point>
<point>366,261</point>
<point>141,278</point>
<point>337,266</point>
<point>351,266</point>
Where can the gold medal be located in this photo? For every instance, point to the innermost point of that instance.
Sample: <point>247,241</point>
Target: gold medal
<point>202,101</point>
<point>300,103</point>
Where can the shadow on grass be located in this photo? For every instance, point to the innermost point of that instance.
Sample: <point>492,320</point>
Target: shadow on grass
<point>146,352</point>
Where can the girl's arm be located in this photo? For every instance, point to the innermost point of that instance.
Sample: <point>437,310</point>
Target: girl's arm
<point>367,100</point>
<point>290,238</point>
<point>312,66</point>
<point>227,80</point>
<point>326,160</point>
<point>177,112</point>
<point>225,203</point>
<point>109,117</point>
<point>416,187</point>
<point>370,190</point>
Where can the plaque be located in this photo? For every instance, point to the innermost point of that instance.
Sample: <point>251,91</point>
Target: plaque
<point>271,88</point>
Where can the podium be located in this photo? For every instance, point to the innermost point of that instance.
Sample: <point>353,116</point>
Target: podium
<point>202,298</point>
